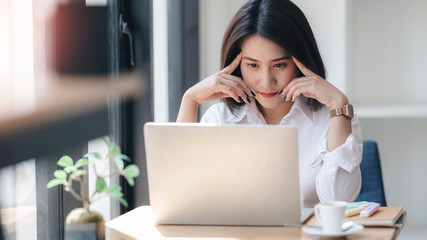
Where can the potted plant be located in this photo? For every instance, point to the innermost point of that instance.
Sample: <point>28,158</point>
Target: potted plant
<point>84,223</point>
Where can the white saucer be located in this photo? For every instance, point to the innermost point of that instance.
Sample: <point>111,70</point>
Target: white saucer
<point>316,230</point>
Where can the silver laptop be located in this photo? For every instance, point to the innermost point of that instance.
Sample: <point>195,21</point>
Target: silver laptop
<point>223,175</point>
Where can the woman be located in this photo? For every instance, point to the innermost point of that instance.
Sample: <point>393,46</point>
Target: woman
<point>272,73</point>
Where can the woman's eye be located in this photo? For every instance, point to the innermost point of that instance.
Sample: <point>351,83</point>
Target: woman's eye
<point>279,65</point>
<point>252,65</point>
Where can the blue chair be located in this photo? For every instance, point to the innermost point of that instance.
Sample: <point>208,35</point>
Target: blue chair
<point>372,181</point>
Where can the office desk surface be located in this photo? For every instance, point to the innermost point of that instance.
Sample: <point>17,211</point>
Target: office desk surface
<point>138,224</point>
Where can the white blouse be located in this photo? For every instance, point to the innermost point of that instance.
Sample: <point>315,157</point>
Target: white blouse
<point>324,175</point>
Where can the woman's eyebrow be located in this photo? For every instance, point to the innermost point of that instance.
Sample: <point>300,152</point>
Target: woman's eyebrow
<point>274,60</point>
<point>282,58</point>
<point>250,59</point>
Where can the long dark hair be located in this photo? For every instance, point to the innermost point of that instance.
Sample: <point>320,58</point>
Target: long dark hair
<point>282,22</point>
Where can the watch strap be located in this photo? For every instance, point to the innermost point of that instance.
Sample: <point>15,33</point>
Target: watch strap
<point>346,110</point>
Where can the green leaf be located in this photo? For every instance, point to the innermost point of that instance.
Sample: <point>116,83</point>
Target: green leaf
<point>81,162</point>
<point>116,195</point>
<point>123,202</point>
<point>101,185</point>
<point>55,182</point>
<point>130,180</point>
<point>115,191</point>
<point>117,150</point>
<point>60,174</point>
<point>93,154</point>
<point>78,173</point>
<point>115,188</point>
<point>69,169</point>
<point>65,161</point>
<point>122,156</point>
<point>113,149</point>
<point>132,171</point>
<point>119,163</point>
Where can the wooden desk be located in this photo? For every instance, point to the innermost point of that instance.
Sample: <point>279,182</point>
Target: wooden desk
<point>138,224</point>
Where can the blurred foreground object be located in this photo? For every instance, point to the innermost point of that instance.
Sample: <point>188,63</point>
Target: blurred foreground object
<point>80,38</point>
<point>73,105</point>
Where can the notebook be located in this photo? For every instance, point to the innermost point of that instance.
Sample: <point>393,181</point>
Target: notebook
<point>223,175</point>
<point>394,216</point>
<point>385,216</point>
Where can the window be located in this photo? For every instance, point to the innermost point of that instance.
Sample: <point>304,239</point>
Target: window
<point>41,122</point>
<point>18,198</point>
<point>18,201</point>
<point>34,125</point>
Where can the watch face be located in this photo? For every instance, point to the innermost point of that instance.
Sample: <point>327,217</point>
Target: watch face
<point>349,111</point>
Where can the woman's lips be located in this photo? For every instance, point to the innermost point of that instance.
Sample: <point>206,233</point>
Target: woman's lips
<point>268,95</point>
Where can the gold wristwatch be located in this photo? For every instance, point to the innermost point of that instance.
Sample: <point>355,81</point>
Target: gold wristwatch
<point>346,110</point>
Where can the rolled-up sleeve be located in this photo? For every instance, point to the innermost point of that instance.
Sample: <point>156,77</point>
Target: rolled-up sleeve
<point>339,177</point>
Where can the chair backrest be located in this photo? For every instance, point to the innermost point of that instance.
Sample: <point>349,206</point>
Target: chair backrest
<point>372,181</point>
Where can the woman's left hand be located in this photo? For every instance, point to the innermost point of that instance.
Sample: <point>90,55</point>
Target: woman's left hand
<point>313,86</point>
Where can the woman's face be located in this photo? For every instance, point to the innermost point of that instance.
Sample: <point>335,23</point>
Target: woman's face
<point>267,69</point>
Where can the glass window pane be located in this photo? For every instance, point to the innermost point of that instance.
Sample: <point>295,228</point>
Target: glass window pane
<point>18,209</point>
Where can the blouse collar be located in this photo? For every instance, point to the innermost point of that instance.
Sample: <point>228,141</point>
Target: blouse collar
<point>250,110</point>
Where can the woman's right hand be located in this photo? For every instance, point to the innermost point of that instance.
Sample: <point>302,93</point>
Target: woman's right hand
<point>221,85</point>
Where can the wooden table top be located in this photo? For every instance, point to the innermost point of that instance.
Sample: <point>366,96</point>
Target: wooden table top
<point>138,224</point>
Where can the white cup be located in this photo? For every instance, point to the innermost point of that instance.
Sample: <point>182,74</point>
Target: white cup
<point>331,215</point>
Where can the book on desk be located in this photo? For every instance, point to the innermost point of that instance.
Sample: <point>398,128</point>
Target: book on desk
<point>385,217</point>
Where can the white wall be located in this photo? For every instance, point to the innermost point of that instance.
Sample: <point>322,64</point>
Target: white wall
<point>387,46</point>
<point>375,52</point>
<point>328,22</point>
<point>214,18</point>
